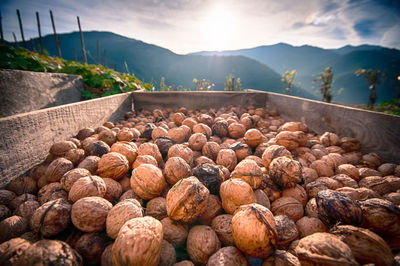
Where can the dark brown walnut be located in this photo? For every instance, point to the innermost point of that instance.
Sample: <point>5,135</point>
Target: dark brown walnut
<point>349,144</point>
<point>250,172</point>
<point>174,232</point>
<point>281,258</point>
<point>182,151</point>
<point>50,192</point>
<point>297,192</point>
<point>6,196</point>
<point>75,156</point>
<point>176,169</point>
<point>381,185</point>
<point>126,149</point>
<point>91,246</point>
<point>387,168</point>
<point>381,216</point>
<point>86,187</point>
<point>262,198</point>
<point>113,189</point>
<point>12,250</point>
<point>89,214</point>
<point>314,188</point>
<point>234,193</point>
<point>85,143</point>
<point>270,188</point>
<point>365,171</point>
<point>121,213</point>
<point>220,128</point>
<point>187,200</point>
<point>85,133</point>
<point>393,197</point>
<point>60,148</point>
<point>253,137</point>
<point>372,160</point>
<point>324,249</point>
<point>197,141</point>
<point>352,157</point>
<point>163,144</point>
<point>147,130</point>
<point>366,193</point>
<point>254,230</point>
<point>26,209</point>
<point>350,170</point>
<point>57,169</point>
<point>285,172</point>
<point>210,150</point>
<point>288,206</point>
<point>108,136</point>
<point>236,130</point>
<point>345,180</point>
<point>143,235</point>
<point>310,225</point>
<point>147,181</point>
<point>227,256</point>
<point>144,159</point>
<point>13,226</point>
<point>329,139</point>
<point>97,148</point>
<point>4,212</point>
<point>16,201</point>
<point>106,256</point>
<point>366,246</point>
<point>38,171</point>
<point>90,163</point>
<point>201,243</point>
<point>213,209</point>
<point>222,225</point>
<point>241,150</point>
<point>210,175</point>
<point>50,252</point>
<point>322,168</point>
<point>157,208</point>
<point>205,119</point>
<point>293,126</point>
<point>130,194</point>
<point>287,231</point>
<point>51,218</point>
<point>150,149</point>
<point>334,207</point>
<point>227,158</point>
<point>22,185</point>
<point>168,254</point>
<point>113,165</point>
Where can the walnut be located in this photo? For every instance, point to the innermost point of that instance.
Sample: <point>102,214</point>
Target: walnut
<point>147,181</point>
<point>22,185</point>
<point>285,172</point>
<point>157,208</point>
<point>197,141</point>
<point>90,163</point>
<point>86,187</point>
<point>349,144</point>
<point>113,165</point>
<point>174,232</point>
<point>97,148</point>
<point>287,231</point>
<point>201,243</point>
<point>5,212</point>
<point>253,137</point>
<point>14,202</point>
<point>85,133</point>
<point>179,134</point>
<point>75,156</point>
<point>210,175</point>
<point>89,214</point>
<point>57,169</point>
<point>213,209</point>
<point>27,208</point>
<point>329,139</point>
<point>91,246</point>
<point>144,159</point>
<point>297,192</point>
<point>234,193</point>
<point>50,192</point>
<point>254,230</point>
<point>322,168</point>
<point>178,118</point>
<point>310,225</point>
<point>180,150</point>
<point>210,150</point>
<point>227,158</point>
<point>125,135</point>
<point>350,170</point>
<point>176,169</point>
<point>168,254</point>
<point>127,149</point>
<point>288,206</point>
<point>220,128</point>
<point>293,126</point>
<point>236,130</point>
<point>113,189</point>
<point>60,148</point>
<point>13,226</point>
<point>12,250</point>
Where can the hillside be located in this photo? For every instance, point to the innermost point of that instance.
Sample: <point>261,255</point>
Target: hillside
<point>309,61</point>
<point>150,62</point>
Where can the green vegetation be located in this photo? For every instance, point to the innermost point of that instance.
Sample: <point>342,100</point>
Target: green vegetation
<point>288,78</point>
<point>98,80</point>
<point>372,77</point>
<point>231,84</point>
<point>326,79</point>
<point>389,107</point>
<point>203,85</point>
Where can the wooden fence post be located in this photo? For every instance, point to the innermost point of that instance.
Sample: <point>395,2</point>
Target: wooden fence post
<point>82,42</point>
<point>21,28</point>
<point>98,52</point>
<point>55,35</point>
<point>1,29</point>
<point>15,40</point>
<point>105,58</point>
<point>40,33</point>
<point>33,46</point>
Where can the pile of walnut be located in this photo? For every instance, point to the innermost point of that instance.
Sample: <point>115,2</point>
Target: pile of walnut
<point>232,186</point>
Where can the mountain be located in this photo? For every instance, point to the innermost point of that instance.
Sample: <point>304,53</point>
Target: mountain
<point>309,61</point>
<point>150,62</point>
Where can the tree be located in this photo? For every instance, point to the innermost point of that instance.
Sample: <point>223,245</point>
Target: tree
<point>203,85</point>
<point>372,77</point>
<point>162,84</point>
<point>288,78</point>
<point>326,84</point>
<point>231,85</point>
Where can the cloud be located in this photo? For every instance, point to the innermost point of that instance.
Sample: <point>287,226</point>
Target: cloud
<point>365,27</point>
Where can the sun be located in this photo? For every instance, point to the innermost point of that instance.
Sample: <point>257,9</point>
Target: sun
<point>218,27</point>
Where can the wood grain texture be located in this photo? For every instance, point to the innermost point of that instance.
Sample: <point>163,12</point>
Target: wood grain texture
<point>25,139</point>
<point>377,132</point>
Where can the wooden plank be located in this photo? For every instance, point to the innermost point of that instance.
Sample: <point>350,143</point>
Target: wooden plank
<point>26,139</point>
<point>196,99</point>
<point>377,132</point>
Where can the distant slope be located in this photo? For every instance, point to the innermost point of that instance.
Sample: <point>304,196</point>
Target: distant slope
<point>150,62</point>
<point>309,61</point>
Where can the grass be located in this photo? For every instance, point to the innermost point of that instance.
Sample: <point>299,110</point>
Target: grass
<point>98,80</point>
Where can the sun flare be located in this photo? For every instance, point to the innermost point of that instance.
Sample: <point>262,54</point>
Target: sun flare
<point>218,27</point>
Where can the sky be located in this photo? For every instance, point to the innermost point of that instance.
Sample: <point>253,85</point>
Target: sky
<point>186,26</point>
